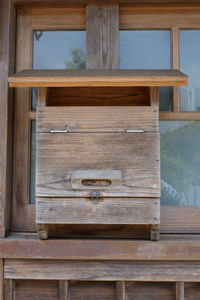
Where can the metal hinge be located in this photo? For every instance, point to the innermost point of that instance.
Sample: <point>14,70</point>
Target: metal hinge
<point>95,196</point>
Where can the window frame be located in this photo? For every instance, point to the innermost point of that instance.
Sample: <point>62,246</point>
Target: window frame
<point>173,219</point>
<point>28,20</point>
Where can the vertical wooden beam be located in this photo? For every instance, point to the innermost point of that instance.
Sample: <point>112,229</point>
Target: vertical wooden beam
<point>63,287</point>
<point>154,96</point>
<point>21,161</point>
<point>120,290</point>
<point>1,280</point>
<point>179,290</point>
<point>102,27</point>
<point>7,19</point>
<point>175,64</point>
<point>42,96</point>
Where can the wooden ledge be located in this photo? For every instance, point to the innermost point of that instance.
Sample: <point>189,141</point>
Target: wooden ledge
<point>96,78</point>
<point>169,248</point>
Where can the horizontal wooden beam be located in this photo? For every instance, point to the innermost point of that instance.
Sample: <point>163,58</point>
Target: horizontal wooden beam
<point>169,248</point>
<point>97,78</point>
<point>102,270</point>
<point>29,2</point>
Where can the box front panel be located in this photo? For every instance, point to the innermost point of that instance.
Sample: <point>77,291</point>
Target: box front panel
<point>135,155</point>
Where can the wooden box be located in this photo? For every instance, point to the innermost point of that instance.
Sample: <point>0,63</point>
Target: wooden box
<point>98,151</point>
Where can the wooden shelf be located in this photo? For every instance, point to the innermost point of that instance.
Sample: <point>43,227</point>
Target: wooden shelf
<point>97,78</point>
<point>170,247</point>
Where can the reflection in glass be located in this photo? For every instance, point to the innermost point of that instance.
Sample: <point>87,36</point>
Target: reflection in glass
<point>180,163</point>
<point>190,64</point>
<point>32,163</point>
<point>58,50</point>
<point>147,49</point>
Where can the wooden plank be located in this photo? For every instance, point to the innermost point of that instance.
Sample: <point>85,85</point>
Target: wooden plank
<point>90,290</point>
<point>97,96</point>
<point>175,64</point>
<point>154,96</point>
<point>63,289</point>
<point>114,151</point>
<point>78,78</point>
<point>106,211</point>
<point>97,119</point>
<point>169,248</point>
<point>7,50</point>
<point>36,289</point>
<point>102,25</point>
<point>1,280</point>
<point>53,18</point>
<point>51,2</point>
<point>180,291</point>
<point>42,96</point>
<point>151,16</point>
<point>175,218</point>
<point>21,159</point>
<point>150,290</point>
<point>101,270</point>
<point>120,290</point>
<point>182,116</point>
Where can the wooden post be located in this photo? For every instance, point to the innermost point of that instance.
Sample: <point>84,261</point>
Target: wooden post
<point>63,287</point>
<point>42,96</point>
<point>120,290</point>
<point>1,280</point>
<point>102,27</point>
<point>179,290</point>
<point>7,17</point>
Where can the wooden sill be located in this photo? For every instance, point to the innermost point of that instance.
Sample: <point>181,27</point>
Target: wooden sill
<point>95,78</point>
<point>170,248</point>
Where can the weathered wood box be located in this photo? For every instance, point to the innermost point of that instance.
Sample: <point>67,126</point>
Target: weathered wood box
<point>98,151</point>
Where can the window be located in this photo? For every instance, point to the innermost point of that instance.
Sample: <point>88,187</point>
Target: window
<point>153,38</point>
<point>150,37</point>
<point>39,45</point>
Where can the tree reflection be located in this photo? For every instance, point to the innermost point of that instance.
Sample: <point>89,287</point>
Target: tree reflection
<point>180,165</point>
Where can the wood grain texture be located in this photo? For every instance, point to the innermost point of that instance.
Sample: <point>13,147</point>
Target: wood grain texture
<point>7,23</point>
<point>180,291</point>
<point>81,78</point>
<point>63,289</point>
<point>98,290</point>
<point>97,96</point>
<point>175,64</point>
<point>36,289</point>
<point>169,248</point>
<point>1,280</point>
<point>184,116</point>
<point>55,18</point>
<point>150,290</point>
<point>120,290</point>
<point>191,291</point>
<point>101,270</point>
<point>106,211</point>
<point>102,26</point>
<point>140,16</point>
<point>57,159</point>
<point>175,218</point>
<point>97,119</point>
<point>21,158</point>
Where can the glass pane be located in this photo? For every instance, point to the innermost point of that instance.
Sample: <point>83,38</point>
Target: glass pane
<point>190,64</point>
<point>58,50</point>
<point>147,49</point>
<point>180,163</point>
<point>53,50</point>
<point>32,163</point>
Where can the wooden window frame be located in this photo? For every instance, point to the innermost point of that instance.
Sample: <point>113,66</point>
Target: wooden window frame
<point>29,19</point>
<point>173,219</point>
